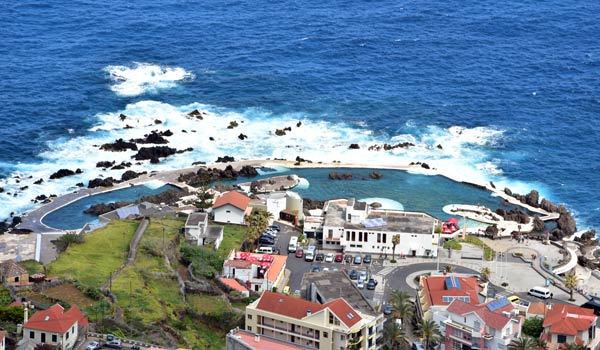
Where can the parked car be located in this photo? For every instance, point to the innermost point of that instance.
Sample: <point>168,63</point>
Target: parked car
<point>353,275</point>
<point>287,290</point>
<point>514,299</point>
<point>320,257</point>
<point>417,346</point>
<point>299,253</point>
<point>388,309</point>
<point>348,258</point>
<point>315,268</point>
<point>113,342</point>
<point>270,234</point>
<point>339,258</point>
<point>326,269</point>
<point>371,284</point>
<point>367,259</point>
<point>93,345</point>
<point>357,260</point>
<point>274,228</point>
<point>329,257</point>
<point>360,284</point>
<point>362,276</point>
<point>266,241</point>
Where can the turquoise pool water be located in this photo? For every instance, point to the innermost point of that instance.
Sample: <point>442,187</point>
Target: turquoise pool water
<point>412,191</point>
<point>71,216</point>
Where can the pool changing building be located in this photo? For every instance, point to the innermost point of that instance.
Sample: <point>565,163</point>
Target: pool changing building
<point>353,226</point>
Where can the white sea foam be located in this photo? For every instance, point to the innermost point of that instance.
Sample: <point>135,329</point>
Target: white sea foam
<point>143,78</point>
<point>464,151</point>
<point>303,184</point>
<point>386,203</point>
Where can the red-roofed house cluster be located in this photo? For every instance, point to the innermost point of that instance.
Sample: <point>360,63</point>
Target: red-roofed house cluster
<point>567,324</point>
<point>259,272</point>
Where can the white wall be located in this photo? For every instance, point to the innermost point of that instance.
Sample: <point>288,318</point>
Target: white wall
<point>275,204</point>
<point>229,214</point>
<point>408,241</point>
<point>67,343</point>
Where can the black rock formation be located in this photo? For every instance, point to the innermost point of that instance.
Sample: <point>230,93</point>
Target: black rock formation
<point>340,176</point>
<point>154,137</point>
<point>119,145</point>
<point>38,182</point>
<point>354,146</point>
<point>516,215</point>
<point>376,175</point>
<point>225,159</point>
<point>242,136</point>
<point>538,224</point>
<point>232,124</point>
<point>103,208</point>
<point>105,164</point>
<point>154,152</point>
<point>279,132</point>
<point>62,173</point>
<point>130,174</point>
<point>98,182</point>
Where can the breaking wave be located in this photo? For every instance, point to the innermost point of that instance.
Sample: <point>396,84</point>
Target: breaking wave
<point>141,78</point>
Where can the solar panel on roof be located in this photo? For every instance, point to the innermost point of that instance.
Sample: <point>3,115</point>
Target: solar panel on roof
<point>377,222</point>
<point>452,282</point>
<point>497,304</point>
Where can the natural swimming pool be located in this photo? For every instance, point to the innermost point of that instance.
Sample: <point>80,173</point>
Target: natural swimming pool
<point>413,192</point>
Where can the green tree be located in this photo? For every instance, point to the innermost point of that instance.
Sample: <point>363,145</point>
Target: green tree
<point>395,242</point>
<point>448,269</point>
<point>257,222</point>
<point>401,305</point>
<point>571,283</point>
<point>394,336</point>
<point>428,332</point>
<point>522,343</point>
<point>485,273</point>
<point>533,327</point>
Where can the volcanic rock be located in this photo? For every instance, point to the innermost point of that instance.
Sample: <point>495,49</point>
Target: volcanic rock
<point>514,215</point>
<point>248,171</point>
<point>122,116</point>
<point>121,166</point>
<point>154,152</point>
<point>375,175</point>
<point>538,224</point>
<point>119,146</point>
<point>532,198</point>
<point>62,173</point>
<point>565,222</point>
<point>130,174</point>
<point>242,136</point>
<point>103,208</point>
<point>79,184</point>
<point>38,182</point>
<point>195,114</point>
<point>105,164</point>
<point>298,124</point>
<point>16,220</point>
<point>232,124</point>
<point>153,137</point>
<point>548,206</point>
<point>300,159</point>
<point>41,197</point>
<point>354,146</point>
<point>439,146</point>
<point>491,231</point>
<point>279,132</point>
<point>340,176</point>
<point>425,166</point>
<point>157,121</point>
<point>98,182</point>
<point>210,138</point>
<point>225,159</point>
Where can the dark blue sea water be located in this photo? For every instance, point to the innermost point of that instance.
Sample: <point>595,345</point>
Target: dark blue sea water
<point>511,90</point>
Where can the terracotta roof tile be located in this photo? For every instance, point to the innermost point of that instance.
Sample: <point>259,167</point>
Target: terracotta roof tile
<point>435,289</point>
<point>494,319</point>
<point>10,268</point>
<point>344,312</point>
<point>234,198</point>
<point>233,284</point>
<point>286,305</point>
<point>55,319</point>
<point>263,343</point>
<point>568,319</point>
<point>276,267</point>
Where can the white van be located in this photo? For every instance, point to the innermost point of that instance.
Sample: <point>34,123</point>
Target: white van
<point>293,244</point>
<point>309,255</point>
<point>264,250</point>
<point>540,292</point>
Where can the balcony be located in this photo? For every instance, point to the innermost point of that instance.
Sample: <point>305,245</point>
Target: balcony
<point>307,334</point>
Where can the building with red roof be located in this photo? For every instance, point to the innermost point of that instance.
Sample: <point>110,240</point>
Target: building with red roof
<point>487,326</point>
<point>234,285</point>
<point>309,324</point>
<point>437,292</point>
<point>567,324</point>
<point>259,272</point>
<point>54,326</point>
<point>243,340</point>
<point>231,208</point>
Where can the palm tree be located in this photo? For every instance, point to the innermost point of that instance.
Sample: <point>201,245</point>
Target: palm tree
<point>429,332</point>
<point>522,343</point>
<point>395,242</point>
<point>571,283</point>
<point>448,269</point>
<point>540,344</point>
<point>401,305</point>
<point>257,222</point>
<point>485,273</point>
<point>394,335</point>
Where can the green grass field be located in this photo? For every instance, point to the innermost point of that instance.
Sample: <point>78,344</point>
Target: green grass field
<point>102,253</point>
<point>233,236</point>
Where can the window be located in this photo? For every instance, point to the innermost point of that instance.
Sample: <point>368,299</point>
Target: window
<point>325,335</point>
<point>331,318</point>
<point>73,329</point>
<point>561,339</point>
<point>378,237</point>
<point>249,316</point>
<point>228,211</point>
<point>44,337</point>
<point>54,338</point>
<point>385,238</point>
<point>317,334</point>
<point>66,335</point>
<point>359,236</point>
<point>249,328</point>
<point>31,334</point>
<point>353,236</point>
<point>347,235</point>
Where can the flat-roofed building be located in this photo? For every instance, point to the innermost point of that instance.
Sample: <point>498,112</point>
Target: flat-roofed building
<point>238,339</point>
<point>332,326</point>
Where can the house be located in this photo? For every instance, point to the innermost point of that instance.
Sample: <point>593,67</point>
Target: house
<point>2,340</point>
<point>353,226</point>
<point>310,325</point>
<point>231,208</point>
<point>488,326</point>
<point>234,285</point>
<point>259,272</point>
<point>238,339</point>
<point>198,231</point>
<point>54,326</point>
<point>13,274</point>
<point>567,324</point>
<point>436,293</point>
<point>285,206</point>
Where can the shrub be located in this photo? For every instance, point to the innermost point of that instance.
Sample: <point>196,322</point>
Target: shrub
<point>452,244</point>
<point>533,327</point>
<point>66,240</point>
<point>205,262</point>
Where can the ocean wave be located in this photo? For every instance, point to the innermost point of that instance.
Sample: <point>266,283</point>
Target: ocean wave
<point>141,78</point>
<point>462,152</point>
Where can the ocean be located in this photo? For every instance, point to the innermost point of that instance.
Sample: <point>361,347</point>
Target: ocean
<point>510,90</point>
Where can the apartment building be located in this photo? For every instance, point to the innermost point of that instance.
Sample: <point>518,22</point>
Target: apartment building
<point>335,325</point>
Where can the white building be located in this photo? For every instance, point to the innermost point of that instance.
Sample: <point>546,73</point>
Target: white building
<point>276,202</point>
<point>54,326</point>
<point>231,208</point>
<point>259,272</point>
<point>355,227</point>
<point>198,231</point>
